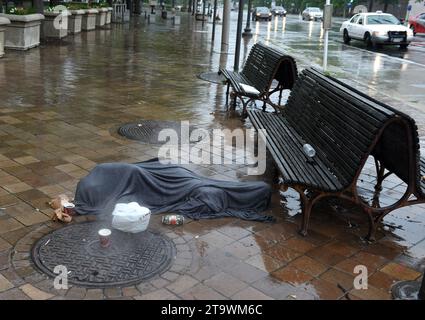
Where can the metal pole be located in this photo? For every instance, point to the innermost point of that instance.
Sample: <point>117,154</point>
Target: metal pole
<point>226,26</point>
<point>214,15</point>
<point>204,6</point>
<point>247,31</point>
<point>238,37</point>
<point>325,51</point>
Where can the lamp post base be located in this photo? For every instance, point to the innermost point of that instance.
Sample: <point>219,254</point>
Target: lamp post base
<point>406,290</point>
<point>247,32</point>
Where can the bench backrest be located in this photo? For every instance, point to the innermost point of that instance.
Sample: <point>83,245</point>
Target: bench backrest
<point>398,148</point>
<point>343,126</point>
<point>264,64</point>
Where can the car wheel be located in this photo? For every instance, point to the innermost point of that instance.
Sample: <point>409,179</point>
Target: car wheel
<point>346,37</point>
<point>413,30</point>
<point>404,46</point>
<point>368,40</point>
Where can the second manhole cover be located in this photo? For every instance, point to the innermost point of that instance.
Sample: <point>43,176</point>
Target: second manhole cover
<point>149,131</point>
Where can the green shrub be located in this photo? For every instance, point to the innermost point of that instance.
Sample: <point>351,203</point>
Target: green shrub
<point>20,11</point>
<point>102,4</point>
<point>77,6</point>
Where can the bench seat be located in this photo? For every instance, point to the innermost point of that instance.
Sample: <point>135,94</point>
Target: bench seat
<point>235,79</point>
<point>287,150</point>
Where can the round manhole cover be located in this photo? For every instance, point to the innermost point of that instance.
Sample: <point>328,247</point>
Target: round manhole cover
<point>130,258</point>
<point>213,77</point>
<point>149,131</point>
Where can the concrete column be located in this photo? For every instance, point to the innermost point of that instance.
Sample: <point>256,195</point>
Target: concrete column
<point>225,27</point>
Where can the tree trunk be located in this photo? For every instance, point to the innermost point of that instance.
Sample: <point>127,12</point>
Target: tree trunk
<point>370,7</point>
<point>137,7</point>
<point>38,6</point>
<point>385,6</point>
<point>53,3</point>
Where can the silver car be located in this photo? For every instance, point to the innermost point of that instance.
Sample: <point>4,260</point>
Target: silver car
<point>262,13</point>
<point>312,13</point>
<point>279,11</point>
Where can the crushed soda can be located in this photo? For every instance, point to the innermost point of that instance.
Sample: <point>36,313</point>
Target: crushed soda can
<point>68,208</point>
<point>173,219</point>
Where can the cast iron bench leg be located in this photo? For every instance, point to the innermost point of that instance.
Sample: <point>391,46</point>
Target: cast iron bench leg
<point>227,94</point>
<point>306,206</point>
<point>280,96</point>
<point>371,234</point>
<point>380,175</point>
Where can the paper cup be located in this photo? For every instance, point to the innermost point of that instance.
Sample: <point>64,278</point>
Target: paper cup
<point>105,237</point>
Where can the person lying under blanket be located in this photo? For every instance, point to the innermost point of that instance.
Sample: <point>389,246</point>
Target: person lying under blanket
<point>169,188</point>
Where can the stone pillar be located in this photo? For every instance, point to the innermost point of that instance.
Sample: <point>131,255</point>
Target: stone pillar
<point>3,23</point>
<point>226,26</point>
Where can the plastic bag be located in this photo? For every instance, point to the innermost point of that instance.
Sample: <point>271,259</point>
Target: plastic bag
<point>130,217</point>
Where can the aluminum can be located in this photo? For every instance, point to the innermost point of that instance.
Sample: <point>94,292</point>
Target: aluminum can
<point>173,219</point>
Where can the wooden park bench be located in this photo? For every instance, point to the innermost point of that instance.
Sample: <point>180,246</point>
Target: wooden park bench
<point>265,72</point>
<point>344,127</point>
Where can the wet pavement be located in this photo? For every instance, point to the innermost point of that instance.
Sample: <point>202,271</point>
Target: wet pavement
<point>62,103</point>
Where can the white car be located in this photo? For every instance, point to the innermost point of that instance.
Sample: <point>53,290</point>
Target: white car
<point>312,13</point>
<point>376,29</point>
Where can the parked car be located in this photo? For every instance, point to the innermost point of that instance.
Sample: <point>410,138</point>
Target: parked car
<point>417,24</point>
<point>279,11</point>
<point>376,28</point>
<point>312,13</point>
<point>262,13</point>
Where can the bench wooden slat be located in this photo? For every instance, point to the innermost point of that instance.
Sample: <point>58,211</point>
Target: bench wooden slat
<point>284,167</point>
<point>353,107</point>
<point>353,93</point>
<point>315,174</point>
<point>294,163</point>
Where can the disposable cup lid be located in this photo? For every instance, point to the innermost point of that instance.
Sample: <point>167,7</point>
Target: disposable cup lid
<point>69,205</point>
<point>104,232</point>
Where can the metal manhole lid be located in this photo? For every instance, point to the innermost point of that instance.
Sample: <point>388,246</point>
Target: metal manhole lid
<point>213,77</point>
<point>130,259</point>
<point>148,131</point>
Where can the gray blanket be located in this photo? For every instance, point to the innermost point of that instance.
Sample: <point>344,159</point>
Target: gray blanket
<point>170,188</point>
